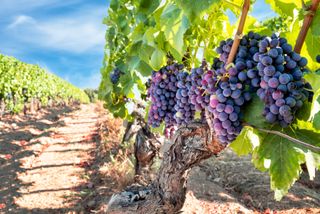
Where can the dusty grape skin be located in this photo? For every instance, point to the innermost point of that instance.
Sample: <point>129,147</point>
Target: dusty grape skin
<point>185,111</point>
<point>242,79</point>
<point>163,96</point>
<point>281,81</point>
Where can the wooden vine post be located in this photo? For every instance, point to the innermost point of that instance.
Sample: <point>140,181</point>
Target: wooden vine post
<point>306,24</point>
<point>237,37</point>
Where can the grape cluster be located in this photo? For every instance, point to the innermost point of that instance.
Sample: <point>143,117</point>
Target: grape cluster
<point>230,89</point>
<point>263,65</point>
<point>115,75</point>
<point>196,92</point>
<point>184,109</point>
<point>281,86</point>
<point>162,93</point>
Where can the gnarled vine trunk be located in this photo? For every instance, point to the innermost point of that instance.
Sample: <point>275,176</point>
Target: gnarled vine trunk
<point>166,194</point>
<point>146,148</point>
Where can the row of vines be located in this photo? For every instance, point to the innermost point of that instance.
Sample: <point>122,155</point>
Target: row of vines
<point>192,44</point>
<point>20,83</point>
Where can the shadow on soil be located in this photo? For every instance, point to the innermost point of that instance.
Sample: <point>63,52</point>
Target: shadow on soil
<point>12,153</point>
<point>230,178</point>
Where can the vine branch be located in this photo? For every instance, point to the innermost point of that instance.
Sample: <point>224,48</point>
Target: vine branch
<point>294,140</point>
<point>237,37</point>
<point>306,24</point>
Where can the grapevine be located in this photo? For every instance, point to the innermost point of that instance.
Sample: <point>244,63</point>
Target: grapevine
<point>253,86</point>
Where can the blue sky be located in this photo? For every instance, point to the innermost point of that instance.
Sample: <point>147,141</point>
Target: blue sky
<point>64,36</point>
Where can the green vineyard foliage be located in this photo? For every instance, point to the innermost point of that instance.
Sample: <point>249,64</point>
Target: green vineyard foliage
<point>19,82</point>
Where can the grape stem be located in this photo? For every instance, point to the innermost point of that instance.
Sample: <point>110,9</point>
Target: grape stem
<point>237,38</point>
<point>306,24</point>
<point>294,140</point>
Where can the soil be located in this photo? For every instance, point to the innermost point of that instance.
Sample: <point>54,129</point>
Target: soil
<point>68,160</point>
<point>43,159</point>
<point>231,184</point>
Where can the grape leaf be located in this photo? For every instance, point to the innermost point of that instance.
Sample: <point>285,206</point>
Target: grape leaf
<point>315,25</point>
<point>252,113</point>
<point>246,141</point>
<point>312,44</point>
<point>312,163</point>
<point>195,10</point>
<point>285,162</point>
<point>174,24</point>
<point>284,7</point>
<point>314,80</point>
<point>158,59</point>
<point>147,6</point>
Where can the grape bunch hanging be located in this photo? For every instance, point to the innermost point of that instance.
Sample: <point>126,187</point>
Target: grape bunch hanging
<point>265,66</point>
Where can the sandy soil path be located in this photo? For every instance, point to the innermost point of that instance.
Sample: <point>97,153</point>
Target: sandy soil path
<point>43,160</point>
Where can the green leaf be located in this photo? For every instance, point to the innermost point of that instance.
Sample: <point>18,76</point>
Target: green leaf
<point>144,69</point>
<point>312,163</point>
<point>145,52</point>
<point>252,113</point>
<point>246,141</point>
<point>314,80</point>
<point>312,44</point>
<point>314,117</point>
<point>285,162</point>
<point>195,10</point>
<point>158,59</point>
<point>282,158</point>
<point>284,7</point>
<point>147,6</point>
<point>174,24</point>
<point>315,25</point>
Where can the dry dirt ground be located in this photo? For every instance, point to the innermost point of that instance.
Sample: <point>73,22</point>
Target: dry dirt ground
<point>68,160</point>
<point>44,159</point>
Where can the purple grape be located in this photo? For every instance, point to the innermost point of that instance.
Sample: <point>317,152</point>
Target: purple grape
<point>242,76</point>
<point>222,116</point>
<point>229,109</point>
<point>303,62</point>
<point>290,101</point>
<point>266,60</point>
<point>280,102</point>
<point>284,110</point>
<point>271,118</point>
<point>269,70</point>
<point>277,95</point>
<point>291,64</point>
<point>284,78</point>
<point>273,82</point>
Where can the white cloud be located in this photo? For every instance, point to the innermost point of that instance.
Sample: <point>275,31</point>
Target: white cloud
<point>22,19</point>
<point>72,33</point>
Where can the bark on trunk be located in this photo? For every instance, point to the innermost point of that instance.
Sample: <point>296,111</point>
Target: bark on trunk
<point>191,144</point>
<point>146,148</point>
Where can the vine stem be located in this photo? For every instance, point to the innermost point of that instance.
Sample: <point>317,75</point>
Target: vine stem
<point>237,37</point>
<point>306,24</point>
<point>294,140</point>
